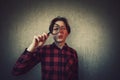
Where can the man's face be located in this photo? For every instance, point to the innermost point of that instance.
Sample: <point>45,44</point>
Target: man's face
<point>62,34</point>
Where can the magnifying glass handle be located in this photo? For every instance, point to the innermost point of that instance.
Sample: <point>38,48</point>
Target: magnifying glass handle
<point>48,33</point>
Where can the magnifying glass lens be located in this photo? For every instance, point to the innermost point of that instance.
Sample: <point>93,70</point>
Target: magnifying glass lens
<point>55,29</point>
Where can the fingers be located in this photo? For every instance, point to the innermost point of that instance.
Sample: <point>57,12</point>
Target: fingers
<point>41,37</point>
<point>36,39</point>
<point>44,36</point>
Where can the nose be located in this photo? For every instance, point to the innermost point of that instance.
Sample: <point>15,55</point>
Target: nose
<point>60,31</point>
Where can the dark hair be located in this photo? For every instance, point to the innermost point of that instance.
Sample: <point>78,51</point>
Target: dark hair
<point>60,19</point>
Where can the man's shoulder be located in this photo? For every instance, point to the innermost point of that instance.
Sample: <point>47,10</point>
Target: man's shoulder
<point>47,46</point>
<point>73,52</point>
<point>71,49</point>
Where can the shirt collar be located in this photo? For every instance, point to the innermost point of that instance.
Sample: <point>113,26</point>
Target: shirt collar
<point>54,45</point>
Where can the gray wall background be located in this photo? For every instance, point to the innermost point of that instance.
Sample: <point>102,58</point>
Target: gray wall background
<point>95,34</point>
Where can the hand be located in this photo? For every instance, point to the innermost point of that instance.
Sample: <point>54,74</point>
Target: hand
<point>37,42</point>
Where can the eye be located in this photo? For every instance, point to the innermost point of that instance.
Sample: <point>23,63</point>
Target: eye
<point>55,28</point>
<point>63,28</point>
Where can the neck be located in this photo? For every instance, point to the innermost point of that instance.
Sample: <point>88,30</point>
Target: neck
<point>60,45</point>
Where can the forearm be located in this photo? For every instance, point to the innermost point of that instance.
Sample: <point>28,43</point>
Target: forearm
<point>25,62</point>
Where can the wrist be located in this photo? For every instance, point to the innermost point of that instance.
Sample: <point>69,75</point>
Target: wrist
<point>31,48</point>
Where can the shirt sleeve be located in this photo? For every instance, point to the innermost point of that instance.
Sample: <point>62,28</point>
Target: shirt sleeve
<point>26,62</point>
<point>76,68</point>
<point>72,67</point>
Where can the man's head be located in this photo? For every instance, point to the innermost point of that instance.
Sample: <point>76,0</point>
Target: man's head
<point>64,29</point>
<point>60,19</point>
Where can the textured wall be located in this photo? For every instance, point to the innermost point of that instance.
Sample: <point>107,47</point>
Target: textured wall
<point>92,35</point>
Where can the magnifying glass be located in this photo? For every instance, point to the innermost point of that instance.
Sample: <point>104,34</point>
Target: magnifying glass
<point>55,30</point>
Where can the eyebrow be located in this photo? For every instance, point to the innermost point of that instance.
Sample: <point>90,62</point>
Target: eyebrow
<point>56,24</point>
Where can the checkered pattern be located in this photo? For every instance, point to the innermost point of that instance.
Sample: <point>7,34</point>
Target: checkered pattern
<point>57,64</point>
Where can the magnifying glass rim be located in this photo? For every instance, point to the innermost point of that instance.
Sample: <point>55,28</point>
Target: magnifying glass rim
<point>56,32</point>
<point>56,25</point>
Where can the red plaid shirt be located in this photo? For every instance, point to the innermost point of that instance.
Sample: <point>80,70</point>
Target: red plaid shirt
<point>57,64</point>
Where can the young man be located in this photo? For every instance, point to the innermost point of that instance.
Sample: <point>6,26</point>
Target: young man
<point>58,60</point>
